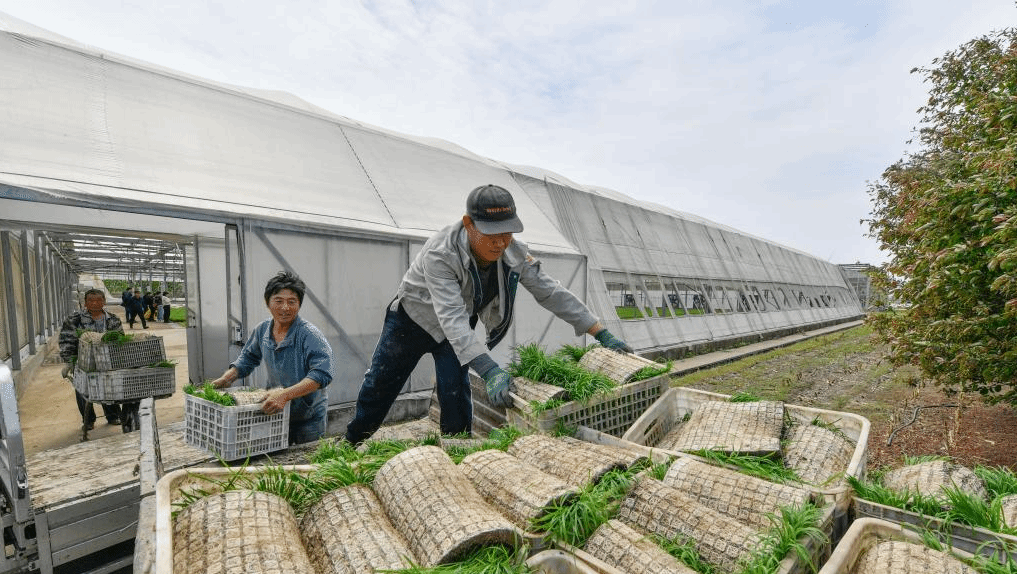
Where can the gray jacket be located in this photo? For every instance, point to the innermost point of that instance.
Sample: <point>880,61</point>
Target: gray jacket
<point>441,292</point>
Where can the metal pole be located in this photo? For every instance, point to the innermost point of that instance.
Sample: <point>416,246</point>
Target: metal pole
<point>43,308</point>
<point>12,320</point>
<point>26,276</point>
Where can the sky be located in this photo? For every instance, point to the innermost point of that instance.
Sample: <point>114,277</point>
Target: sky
<point>770,117</point>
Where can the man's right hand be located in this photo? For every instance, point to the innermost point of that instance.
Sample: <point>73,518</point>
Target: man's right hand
<point>498,384</point>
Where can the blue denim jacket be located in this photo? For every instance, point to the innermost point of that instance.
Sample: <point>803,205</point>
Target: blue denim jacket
<point>304,353</point>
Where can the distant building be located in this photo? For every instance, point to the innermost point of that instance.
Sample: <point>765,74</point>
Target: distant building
<point>858,276</point>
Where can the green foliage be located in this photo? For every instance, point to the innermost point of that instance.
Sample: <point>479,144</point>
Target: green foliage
<point>752,465</point>
<point>535,364</point>
<point>179,315</point>
<point>947,214</point>
<point>484,560</point>
<point>574,520</point>
<point>907,500</point>
<point>650,371</point>
<point>785,535</point>
<point>165,363</point>
<point>116,337</point>
<point>744,397</point>
<point>499,438</point>
<point>999,480</point>
<point>574,352</point>
<point>912,460</point>
<point>685,551</point>
<point>209,393</point>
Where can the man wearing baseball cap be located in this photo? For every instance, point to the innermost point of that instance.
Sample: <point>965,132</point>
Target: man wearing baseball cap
<point>467,272</point>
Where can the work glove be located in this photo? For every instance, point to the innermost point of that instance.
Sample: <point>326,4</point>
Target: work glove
<point>65,371</point>
<point>609,341</point>
<point>498,383</point>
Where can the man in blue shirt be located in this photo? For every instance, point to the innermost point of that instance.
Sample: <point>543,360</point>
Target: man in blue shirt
<point>297,356</point>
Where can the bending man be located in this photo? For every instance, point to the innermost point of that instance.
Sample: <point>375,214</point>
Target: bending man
<point>467,272</point>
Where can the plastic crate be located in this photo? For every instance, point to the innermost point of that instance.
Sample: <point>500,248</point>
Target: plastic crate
<point>236,432</point>
<point>115,356</point>
<point>967,538</point>
<point>659,419</point>
<point>126,384</point>
<point>167,492</point>
<point>613,412</point>
<point>864,532</point>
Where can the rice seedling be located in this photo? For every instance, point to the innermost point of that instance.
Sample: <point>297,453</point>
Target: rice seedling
<point>999,480</point>
<point>574,353</point>
<point>910,460</point>
<point>334,449</point>
<point>535,364</point>
<point>574,520</point>
<point>744,397</point>
<point>486,560</point>
<point>752,465</point>
<point>537,407</point>
<point>906,500</point>
<point>991,563</point>
<point>659,471</point>
<point>686,552</point>
<point>164,363</point>
<point>208,392</point>
<point>116,337</point>
<point>499,438</point>
<point>786,534</point>
<point>971,509</point>
<point>650,371</point>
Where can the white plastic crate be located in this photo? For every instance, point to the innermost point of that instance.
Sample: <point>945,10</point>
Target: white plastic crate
<point>612,412</point>
<point>127,355</point>
<point>126,384</point>
<point>962,536</point>
<point>168,491</point>
<point>659,419</point>
<point>234,432</point>
<point>863,534</point>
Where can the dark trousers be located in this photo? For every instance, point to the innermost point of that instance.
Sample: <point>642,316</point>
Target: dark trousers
<point>165,313</point>
<point>400,348</point>
<point>133,314</point>
<point>111,412</point>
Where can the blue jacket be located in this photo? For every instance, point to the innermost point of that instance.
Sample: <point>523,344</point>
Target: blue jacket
<point>304,353</point>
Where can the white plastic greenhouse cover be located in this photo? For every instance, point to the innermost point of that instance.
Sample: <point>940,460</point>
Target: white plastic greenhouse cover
<point>82,123</point>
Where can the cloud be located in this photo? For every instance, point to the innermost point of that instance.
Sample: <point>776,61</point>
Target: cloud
<point>768,117</point>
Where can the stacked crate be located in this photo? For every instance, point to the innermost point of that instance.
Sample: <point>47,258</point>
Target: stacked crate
<point>108,372</point>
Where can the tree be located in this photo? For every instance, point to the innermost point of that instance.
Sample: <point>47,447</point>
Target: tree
<point>947,215</point>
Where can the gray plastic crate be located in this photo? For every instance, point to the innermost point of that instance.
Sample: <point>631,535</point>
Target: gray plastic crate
<point>234,432</point>
<point>968,538</point>
<point>115,356</point>
<point>126,384</point>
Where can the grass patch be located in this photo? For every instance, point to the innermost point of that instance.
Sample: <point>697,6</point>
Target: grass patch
<point>179,315</point>
<point>744,397</point>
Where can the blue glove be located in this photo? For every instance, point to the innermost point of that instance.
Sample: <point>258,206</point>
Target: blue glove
<point>609,341</point>
<point>498,383</point>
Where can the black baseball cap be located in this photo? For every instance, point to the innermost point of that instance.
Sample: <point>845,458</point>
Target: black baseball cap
<point>493,210</point>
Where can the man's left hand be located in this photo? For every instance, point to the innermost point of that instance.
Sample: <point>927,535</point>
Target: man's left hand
<point>274,402</point>
<point>609,341</point>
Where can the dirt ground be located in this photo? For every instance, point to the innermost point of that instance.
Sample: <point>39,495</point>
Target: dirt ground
<point>49,414</point>
<point>849,372</point>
